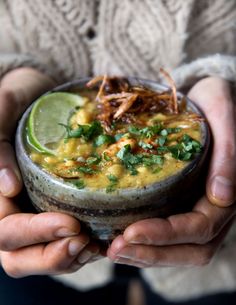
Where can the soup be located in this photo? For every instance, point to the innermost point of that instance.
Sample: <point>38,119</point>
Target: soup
<point>122,136</point>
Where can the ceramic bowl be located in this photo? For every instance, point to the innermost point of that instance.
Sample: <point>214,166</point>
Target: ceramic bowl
<point>105,215</point>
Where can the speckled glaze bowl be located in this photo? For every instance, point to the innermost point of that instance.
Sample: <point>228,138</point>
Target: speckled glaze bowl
<point>105,215</point>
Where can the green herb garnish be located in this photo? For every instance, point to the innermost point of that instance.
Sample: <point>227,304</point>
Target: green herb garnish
<point>87,132</point>
<point>161,141</point>
<point>146,132</point>
<point>113,183</point>
<point>94,159</point>
<point>106,157</point>
<point>86,170</point>
<point>78,183</point>
<point>130,161</point>
<point>104,139</point>
<point>185,150</point>
<point>145,145</point>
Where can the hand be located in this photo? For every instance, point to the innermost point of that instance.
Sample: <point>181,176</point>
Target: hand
<point>214,98</point>
<point>192,238</point>
<point>189,239</point>
<point>46,243</point>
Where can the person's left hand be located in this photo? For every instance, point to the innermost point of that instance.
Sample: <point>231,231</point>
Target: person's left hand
<point>192,238</point>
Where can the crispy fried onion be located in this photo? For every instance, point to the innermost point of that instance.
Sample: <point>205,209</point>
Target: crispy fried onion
<point>118,100</point>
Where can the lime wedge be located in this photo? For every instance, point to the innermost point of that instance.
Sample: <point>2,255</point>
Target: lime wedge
<point>48,112</point>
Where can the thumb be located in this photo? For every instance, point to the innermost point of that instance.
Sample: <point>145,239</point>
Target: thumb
<point>215,101</point>
<point>221,177</point>
<point>10,178</point>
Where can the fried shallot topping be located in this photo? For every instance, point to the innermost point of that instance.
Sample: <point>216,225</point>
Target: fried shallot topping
<point>118,100</point>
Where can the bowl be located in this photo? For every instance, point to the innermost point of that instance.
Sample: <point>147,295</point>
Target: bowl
<point>106,215</point>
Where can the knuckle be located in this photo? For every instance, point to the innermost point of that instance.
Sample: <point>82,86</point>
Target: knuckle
<point>205,256</point>
<point>56,266</point>
<point>55,263</point>
<point>200,225</point>
<point>4,241</point>
<point>229,150</point>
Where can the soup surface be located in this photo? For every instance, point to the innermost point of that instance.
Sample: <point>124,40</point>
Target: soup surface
<point>122,137</point>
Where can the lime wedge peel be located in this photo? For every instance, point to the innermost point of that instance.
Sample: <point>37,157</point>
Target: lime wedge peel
<point>43,129</point>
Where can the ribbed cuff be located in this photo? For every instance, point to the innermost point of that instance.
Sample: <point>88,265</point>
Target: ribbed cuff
<point>217,65</point>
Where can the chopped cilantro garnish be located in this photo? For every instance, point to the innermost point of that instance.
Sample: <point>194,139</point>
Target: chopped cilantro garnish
<point>95,159</point>
<point>106,157</point>
<point>152,159</point>
<point>184,150</point>
<point>157,170</point>
<point>164,132</point>
<point>88,132</point>
<point>118,136</point>
<point>86,170</point>
<point>78,183</point>
<point>146,132</point>
<point>112,178</point>
<point>145,145</point>
<point>113,183</point>
<point>130,160</point>
<point>134,130</point>
<point>161,141</point>
<point>104,139</point>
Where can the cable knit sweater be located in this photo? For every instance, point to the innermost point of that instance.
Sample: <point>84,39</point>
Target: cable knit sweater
<point>76,38</point>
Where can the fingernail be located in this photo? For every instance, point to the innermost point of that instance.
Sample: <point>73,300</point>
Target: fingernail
<point>138,239</point>
<point>96,258</point>
<point>65,232</point>
<point>75,267</point>
<point>222,190</point>
<point>84,256</point>
<point>6,181</point>
<point>126,253</point>
<point>75,247</point>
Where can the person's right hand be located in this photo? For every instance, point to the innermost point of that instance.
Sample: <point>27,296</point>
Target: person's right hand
<point>46,243</point>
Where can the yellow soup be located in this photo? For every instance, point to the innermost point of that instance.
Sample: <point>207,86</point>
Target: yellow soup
<point>129,151</point>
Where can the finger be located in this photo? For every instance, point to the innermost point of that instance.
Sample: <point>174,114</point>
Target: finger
<point>199,226</point>
<point>89,254</point>
<point>53,258</point>
<point>219,108</point>
<point>165,256</point>
<point>10,110</point>
<point>32,229</point>
<point>10,178</point>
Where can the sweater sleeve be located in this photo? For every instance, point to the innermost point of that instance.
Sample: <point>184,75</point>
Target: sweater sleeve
<point>218,65</point>
<point>13,61</point>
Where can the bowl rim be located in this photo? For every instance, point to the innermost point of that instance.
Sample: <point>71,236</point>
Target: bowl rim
<point>132,191</point>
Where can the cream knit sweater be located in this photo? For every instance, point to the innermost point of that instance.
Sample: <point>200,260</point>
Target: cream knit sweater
<point>74,38</point>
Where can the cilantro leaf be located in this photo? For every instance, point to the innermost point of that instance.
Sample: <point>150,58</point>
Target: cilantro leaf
<point>112,178</point>
<point>145,145</point>
<point>86,170</point>
<point>94,159</point>
<point>184,150</point>
<point>113,183</point>
<point>78,183</point>
<point>104,139</point>
<point>146,132</point>
<point>86,131</point>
